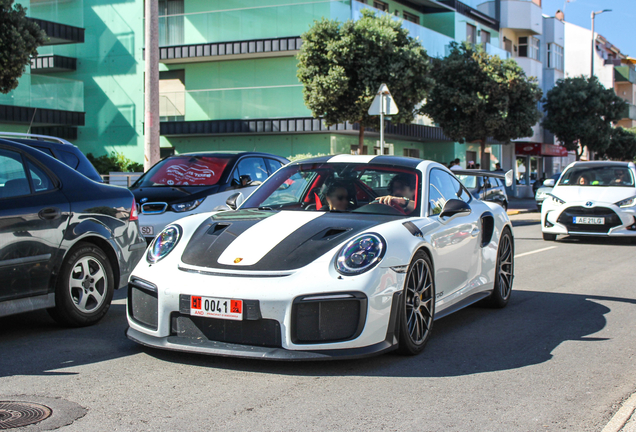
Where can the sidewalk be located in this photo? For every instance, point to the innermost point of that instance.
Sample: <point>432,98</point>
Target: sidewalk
<point>521,205</point>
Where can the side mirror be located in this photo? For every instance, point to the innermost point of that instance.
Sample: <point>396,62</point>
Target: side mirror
<point>508,179</point>
<point>455,207</point>
<point>549,183</point>
<point>234,200</point>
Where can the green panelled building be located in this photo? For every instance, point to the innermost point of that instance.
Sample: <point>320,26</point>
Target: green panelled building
<point>227,75</point>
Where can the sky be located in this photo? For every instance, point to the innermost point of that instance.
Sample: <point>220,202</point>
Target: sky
<point>618,26</point>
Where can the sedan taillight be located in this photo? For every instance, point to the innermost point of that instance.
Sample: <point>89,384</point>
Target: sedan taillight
<point>134,214</point>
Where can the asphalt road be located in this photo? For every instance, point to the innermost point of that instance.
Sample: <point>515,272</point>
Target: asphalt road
<point>559,357</point>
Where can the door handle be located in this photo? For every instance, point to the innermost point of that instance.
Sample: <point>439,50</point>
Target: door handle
<point>49,213</point>
<point>474,232</point>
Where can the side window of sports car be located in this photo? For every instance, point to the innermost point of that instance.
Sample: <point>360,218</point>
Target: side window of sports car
<point>448,186</point>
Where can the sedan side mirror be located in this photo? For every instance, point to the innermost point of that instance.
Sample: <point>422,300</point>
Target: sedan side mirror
<point>455,207</point>
<point>234,200</point>
<point>549,183</point>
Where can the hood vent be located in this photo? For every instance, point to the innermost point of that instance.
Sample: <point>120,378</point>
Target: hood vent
<point>330,234</point>
<point>218,228</point>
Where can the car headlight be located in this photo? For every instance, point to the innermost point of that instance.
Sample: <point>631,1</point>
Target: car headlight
<point>556,199</point>
<point>541,194</point>
<point>164,243</point>
<point>360,254</point>
<point>629,202</point>
<point>186,206</point>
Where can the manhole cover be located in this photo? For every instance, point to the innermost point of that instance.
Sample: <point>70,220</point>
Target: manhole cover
<point>18,414</point>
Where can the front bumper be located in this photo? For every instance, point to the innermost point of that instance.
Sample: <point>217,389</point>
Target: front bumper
<point>618,222</point>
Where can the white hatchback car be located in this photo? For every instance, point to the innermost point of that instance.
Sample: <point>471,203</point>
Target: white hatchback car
<point>592,198</point>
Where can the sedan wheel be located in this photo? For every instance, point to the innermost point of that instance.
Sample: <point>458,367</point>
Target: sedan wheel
<point>418,301</point>
<point>85,287</point>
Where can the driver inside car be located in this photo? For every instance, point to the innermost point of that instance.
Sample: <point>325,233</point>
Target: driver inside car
<point>402,193</point>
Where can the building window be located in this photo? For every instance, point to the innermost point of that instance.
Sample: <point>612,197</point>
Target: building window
<point>555,57</point>
<point>412,18</point>
<point>356,150</point>
<point>171,28</point>
<point>529,47</point>
<point>471,33</point>
<point>381,5</point>
<point>411,152</point>
<point>485,37</point>
<point>172,95</point>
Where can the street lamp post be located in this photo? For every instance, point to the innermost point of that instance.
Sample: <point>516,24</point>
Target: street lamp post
<point>594,39</point>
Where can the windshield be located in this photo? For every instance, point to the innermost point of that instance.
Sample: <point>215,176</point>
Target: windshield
<point>185,171</point>
<point>340,187</point>
<point>599,175</point>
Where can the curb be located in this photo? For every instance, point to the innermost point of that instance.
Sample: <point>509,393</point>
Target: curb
<point>516,212</point>
<point>622,416</point>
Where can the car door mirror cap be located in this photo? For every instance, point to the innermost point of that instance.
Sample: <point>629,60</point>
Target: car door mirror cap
<point>549,183</point>
<point>454,208</point>
<point>509,176</point>
<point>234,200</point>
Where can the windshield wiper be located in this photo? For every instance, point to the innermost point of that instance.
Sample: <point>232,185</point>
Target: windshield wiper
<point>180,189</point>
<point>265,208</point>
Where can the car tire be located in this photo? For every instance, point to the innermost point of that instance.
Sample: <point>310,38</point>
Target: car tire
<point>84,288</point>
<point>417,308</point>
<point>549,237</point>
<point>504,272</point>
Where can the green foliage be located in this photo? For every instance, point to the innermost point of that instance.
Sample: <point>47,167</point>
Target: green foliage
<point>19,40</point>
<point>477,96</point>
<point>622,145</point>
<point>304,156</point>
<point>582,109</point>
<point>115,162</point>
<point>342,65</point>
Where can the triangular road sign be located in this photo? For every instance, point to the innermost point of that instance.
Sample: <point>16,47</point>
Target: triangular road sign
<point>390,108</point>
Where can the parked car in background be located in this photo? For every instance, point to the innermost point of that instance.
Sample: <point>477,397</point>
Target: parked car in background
<point>592,199</point>
<point>58,148</point>
<point>192,183</point>
<point>66,241</point>
<point>483,186</point>
<point>544,190</point>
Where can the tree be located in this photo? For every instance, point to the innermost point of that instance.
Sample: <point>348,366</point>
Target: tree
<point>581,110</point>
<point>478,96</point>
<point>342,65</point>
<point>622,145</point>
<point>19,39</point>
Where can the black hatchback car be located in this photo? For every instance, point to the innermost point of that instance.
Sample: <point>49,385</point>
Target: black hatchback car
<point>482,185</point>
<point>59,148</point>
<point>66,242</point>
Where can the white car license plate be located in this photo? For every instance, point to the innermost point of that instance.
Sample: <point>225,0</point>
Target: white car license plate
<point>589,220</point>
<point>212,307</point>
<point>147,230</point>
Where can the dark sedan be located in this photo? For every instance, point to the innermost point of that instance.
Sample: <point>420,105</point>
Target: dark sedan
<point>66,242</point>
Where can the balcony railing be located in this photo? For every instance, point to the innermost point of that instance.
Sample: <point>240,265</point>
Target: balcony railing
<point>43,91</point>
<point>436,44</point>
<point>257,22</point>
<point>68,12</point>
<point>493,50</point>
<point>625,74</point>
<point>630,112</point>
<point>235,103</point>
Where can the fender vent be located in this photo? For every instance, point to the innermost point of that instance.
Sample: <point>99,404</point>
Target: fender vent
<point>487,228</point>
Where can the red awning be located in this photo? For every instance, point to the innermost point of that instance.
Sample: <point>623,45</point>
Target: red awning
<point>534,149</point>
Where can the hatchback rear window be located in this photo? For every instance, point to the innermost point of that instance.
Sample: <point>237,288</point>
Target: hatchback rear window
<point>186,171</point>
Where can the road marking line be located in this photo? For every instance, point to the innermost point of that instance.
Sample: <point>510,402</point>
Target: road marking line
<point>119,302</point>
<point>535,251</point>
<point>620,418</point>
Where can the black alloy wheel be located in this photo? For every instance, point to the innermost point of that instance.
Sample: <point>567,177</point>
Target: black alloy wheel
<point>504,273</point>
<point>418,305</point>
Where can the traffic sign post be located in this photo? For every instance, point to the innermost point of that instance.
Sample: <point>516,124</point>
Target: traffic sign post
<point>383,104</point>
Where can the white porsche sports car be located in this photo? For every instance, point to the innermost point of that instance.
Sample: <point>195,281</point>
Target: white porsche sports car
<point>331,257</point>
<point>592,198</point>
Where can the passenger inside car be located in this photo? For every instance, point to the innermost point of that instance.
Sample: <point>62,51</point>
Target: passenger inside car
<point>337,197</point>
<point>402,193</point>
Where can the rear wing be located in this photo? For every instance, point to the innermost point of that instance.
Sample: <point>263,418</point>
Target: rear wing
<point>507,176</point>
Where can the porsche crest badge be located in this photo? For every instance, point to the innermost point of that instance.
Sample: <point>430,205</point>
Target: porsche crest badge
<point>237,260</point>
